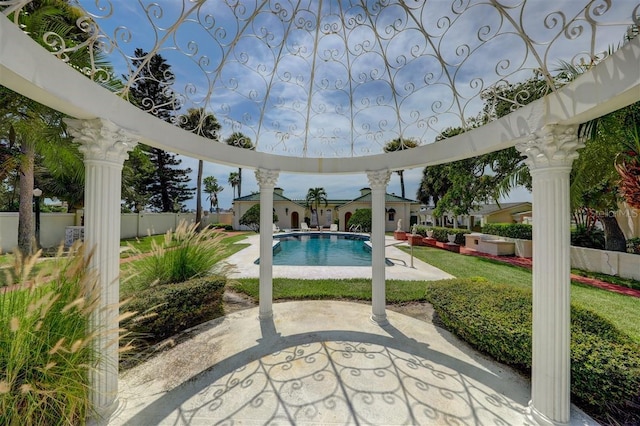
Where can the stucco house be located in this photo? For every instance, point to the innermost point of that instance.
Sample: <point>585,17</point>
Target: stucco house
<point>292,212</point>
<point>519,212</point>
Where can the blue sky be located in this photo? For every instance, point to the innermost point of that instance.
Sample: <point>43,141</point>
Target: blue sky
<point>343,100</point>
<point>337,186</point>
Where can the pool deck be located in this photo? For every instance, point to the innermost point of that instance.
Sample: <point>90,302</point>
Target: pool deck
<point>400,270</point>
<point>323,363</point>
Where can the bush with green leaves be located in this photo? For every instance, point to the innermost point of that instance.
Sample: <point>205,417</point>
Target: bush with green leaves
<point>46,347</point>
<point>521,231</point>
<point>183,254</point>
<point>496,319</point>
<point>360,218</point>
<point>441,234</point>
<point>588,237</point>
<point>251,218</point>
<point>165,310</point>
<point>633,245</point>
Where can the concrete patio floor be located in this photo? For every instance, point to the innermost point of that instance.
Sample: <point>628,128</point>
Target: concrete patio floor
<point>324,363</point>
<point>321,363</point>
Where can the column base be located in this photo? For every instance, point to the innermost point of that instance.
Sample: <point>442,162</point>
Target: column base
<point>102,415</point>
<point>265,315</point>
<point>540,419</point>
<point>379,319</point>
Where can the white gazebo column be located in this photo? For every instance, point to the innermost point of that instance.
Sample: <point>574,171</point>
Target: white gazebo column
<point>378,181</point>
<point>267,181</point>
<point>105,147</point>
<point>550,153</point>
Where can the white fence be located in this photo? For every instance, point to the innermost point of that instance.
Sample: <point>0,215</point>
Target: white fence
<point>53,226</point>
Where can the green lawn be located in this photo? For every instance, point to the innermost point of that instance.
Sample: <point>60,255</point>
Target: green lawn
<point>352,289</point>
<point>622,311</point>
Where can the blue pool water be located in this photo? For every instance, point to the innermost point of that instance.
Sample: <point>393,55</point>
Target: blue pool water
<point>316,249</point>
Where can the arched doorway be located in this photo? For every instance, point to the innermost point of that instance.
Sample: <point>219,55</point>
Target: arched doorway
<point>295,220</point>
<point>347,216</point>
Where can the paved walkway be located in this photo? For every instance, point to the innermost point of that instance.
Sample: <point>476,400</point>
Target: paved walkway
<point>322,363</point>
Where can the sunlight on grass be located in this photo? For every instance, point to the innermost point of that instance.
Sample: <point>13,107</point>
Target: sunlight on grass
<point>352,289</point>
<point>623,311</point>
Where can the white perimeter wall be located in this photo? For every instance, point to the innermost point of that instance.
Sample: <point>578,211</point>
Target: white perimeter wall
<point>625,265</point>
<point>53,226</point>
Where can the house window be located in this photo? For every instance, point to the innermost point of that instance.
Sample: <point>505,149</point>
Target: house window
<point>392,215</point>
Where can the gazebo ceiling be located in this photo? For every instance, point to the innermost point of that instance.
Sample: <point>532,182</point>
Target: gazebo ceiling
<point>341,78</point>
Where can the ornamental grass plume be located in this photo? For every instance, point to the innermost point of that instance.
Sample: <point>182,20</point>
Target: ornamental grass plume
<point>183,254</point>
<point>46,343</point>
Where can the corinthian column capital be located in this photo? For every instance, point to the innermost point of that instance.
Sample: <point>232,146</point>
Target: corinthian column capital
<point>378,179</point>
<point>267,178</point>
<point>101,140</point>
<point>552,146</point>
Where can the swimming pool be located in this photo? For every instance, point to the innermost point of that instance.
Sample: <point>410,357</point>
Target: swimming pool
<point>321,249</point>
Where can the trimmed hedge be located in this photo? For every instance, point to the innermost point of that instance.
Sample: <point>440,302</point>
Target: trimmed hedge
<point>441,233</point>
<point>165,310</point>
<point>509,230</point>
<point>496,319</point>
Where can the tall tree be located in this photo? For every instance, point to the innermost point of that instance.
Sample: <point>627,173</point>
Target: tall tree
<point>170,184</point>
<point>608,165</point>
<point>136,178</point>
<point>315,197</point>
<point>212,188</point>
<point>29,128</point>
<point>244,142</point>
<point>595,181</point>
<point>234,180</point>
<point>206,125</point>
<point>461,186</point>
<point>400,144</point>
<point>152,92</point>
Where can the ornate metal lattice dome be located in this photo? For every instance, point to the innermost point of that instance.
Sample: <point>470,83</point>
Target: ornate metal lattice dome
<point>341,78</point>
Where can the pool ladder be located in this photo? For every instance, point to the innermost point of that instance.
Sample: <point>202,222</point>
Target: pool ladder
<point>355,228</point>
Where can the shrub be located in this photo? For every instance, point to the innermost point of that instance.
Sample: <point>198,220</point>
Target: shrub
<point>605,364</point>
<point>588,237</point>
<point>228,227</point>
<point>633,245</point>
<point>361,218</point>
<point>441,233</point>
<point>509,230</point>
<point>46,348</point>
<point>182,255</point>
<point>251,218</point>
<point>165,310</point>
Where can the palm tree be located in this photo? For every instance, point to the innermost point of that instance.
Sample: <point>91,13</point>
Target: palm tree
<point>399,144</point>
<point>607,165</point>
<point>241,141</point>
<point>202,124</point>
<point>31,128</point>
<point>212,188</point>
<point>234,181</point>
<point>315,196</point>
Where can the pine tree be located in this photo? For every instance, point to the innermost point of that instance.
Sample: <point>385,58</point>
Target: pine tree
<point>169,184</point>
<point>167,188</point>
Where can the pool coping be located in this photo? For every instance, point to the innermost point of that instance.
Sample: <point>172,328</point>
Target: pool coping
<point>400,270</point>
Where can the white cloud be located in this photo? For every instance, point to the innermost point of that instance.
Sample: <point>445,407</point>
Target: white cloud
<point>356,114</point>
